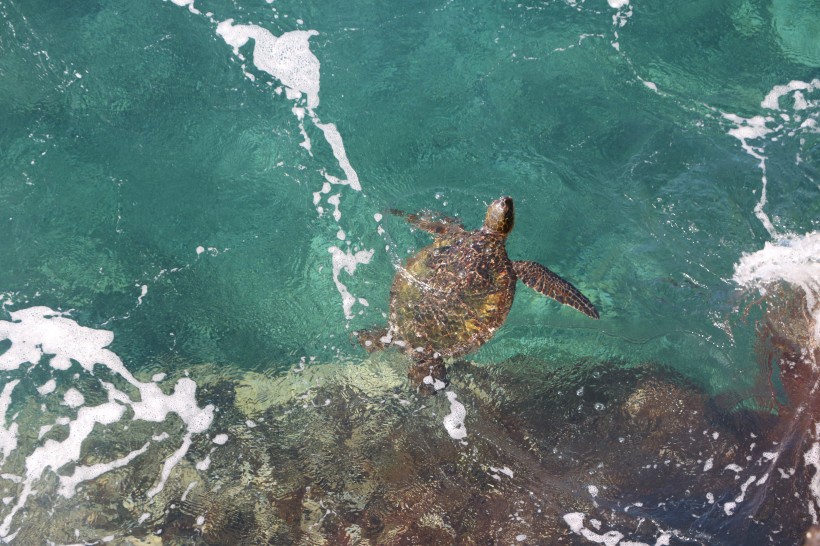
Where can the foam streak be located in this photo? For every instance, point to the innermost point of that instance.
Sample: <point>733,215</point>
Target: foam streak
<point>8,435</point>
<point>39,332</point>
<point>794,259</point>
<point>288,59</point>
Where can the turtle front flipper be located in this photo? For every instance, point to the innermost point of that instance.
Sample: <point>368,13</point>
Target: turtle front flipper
<point>432,222</point>
<point>542,280</point>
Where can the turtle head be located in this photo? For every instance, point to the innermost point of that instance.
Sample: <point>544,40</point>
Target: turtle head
<point>500,216</point>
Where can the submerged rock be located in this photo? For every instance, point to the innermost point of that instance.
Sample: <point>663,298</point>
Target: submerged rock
<point>352,454</point>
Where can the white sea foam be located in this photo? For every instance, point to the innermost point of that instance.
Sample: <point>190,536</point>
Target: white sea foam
<point>68,484</point>
<point>347,261</point>
<point>188,490</point>
<point>730,507</point>
<point>43,431</point>
<point>143,292</point>
<point>287,57</point>
<point>8,434</point>
<point>335,200</point>
<point>454,421</point>
<point>306,143</point>
<point>48,387</point>
<point>204,464</point>
<point>794,259</point>
<point>40,332</point>
<point>707,466</point>
<point>621,17</point>
<point>575,521</point>
<point>503,470</point>
<point>752,129</point>
<point>772,100</point>
<point>188,3</point>
<point>55,455</point>
<point>73,398</point>
<point>756,131</point>
<point>334,138</point>
<point>169,465</point>
<point>812,458</point>
<point>437,384</point>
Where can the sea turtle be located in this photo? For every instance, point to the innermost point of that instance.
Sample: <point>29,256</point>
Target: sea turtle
<point>451,297</point>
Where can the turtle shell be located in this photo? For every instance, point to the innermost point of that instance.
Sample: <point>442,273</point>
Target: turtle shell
<point>451,297</point>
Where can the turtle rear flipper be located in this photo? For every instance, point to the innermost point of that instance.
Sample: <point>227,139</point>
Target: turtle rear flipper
<point>373,339</point>
<point>542,280</point>
<point>428,374</point>
<point>432,222</point>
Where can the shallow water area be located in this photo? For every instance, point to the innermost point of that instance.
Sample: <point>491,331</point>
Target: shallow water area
<point>194,219</point>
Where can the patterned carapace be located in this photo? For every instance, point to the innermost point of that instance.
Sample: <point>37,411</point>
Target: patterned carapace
<point>451,297</point>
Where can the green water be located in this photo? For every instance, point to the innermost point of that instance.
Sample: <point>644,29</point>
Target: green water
<point>163,145</point>
<point>131,135</point>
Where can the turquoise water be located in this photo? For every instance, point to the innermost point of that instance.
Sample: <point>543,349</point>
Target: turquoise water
<point>163,186</point>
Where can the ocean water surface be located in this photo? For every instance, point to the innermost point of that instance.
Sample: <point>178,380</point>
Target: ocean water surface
<point>194,220</point>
